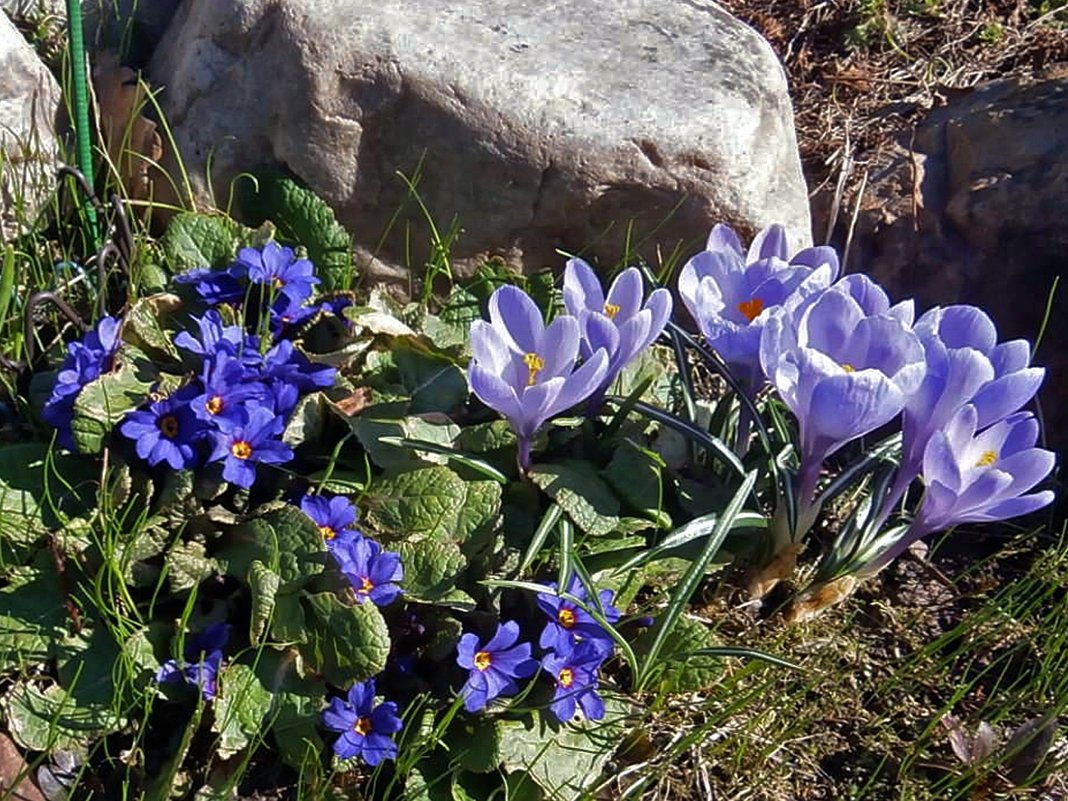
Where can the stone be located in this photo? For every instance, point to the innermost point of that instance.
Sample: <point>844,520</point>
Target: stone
<point>29,108</point>
<point>973,213</point>
<point>578,126</point>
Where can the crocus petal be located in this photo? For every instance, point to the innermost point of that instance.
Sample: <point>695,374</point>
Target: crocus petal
<point>1005,395</point>
<point>1015,507</point>
<point>769,243</point>
<point>582,289</point>
<point>723,237</point>
<point>513,311</point>
<point>626,294</point>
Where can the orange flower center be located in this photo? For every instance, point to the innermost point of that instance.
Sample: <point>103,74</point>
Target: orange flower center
<point>168,426</point>
<point>241,449</point>
<point>988,458</point>
<point>214,404</point>
<point>365,586</point>
<point>483,660</point>
<point>611,310</point>
<point>535,364</point>
<point>567,677</point>
<point>751,308</point>
<point>327,532</point>
<point>278,283</point>
<point>566,617</point>
<point>362,726</point>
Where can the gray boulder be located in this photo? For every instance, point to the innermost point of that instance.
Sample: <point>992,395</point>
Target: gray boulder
<point>29,105</point>
<point>536,126</point>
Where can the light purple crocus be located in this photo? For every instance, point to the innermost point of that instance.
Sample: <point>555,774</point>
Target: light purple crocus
<point>730,293</point>
<point>977,477</point>
<point>619,323</point>
<point>844,362</point>
<point>524,369</point>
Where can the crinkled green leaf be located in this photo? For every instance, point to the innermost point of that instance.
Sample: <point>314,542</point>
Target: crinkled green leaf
<point>194,240</point>
<point>147,542</point>
<point>32,613</point>
<point>486,437</point>
<point>682,673</point>
<point>376,425</point>
<point>307,420</point>
<point>102,403</point>
<point>475,742</point>
<point>263,584</point>
<point>284,539</point>
<point>187,566</point>
<point>301,218</point>
<point>419,504</point>
<point>432,568</point>
<point>241,703</point>
<point>288,623</point>
<point>581,493</point>
<point>636,477</point>
<point>345,643</point>
<point>297,705</point>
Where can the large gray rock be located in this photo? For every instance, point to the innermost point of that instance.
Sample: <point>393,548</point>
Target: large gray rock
<point>536,125</point>
<point>29,104</point>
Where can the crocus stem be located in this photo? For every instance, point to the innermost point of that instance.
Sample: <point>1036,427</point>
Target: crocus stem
<point>744,433</point>
<point>523,454</point>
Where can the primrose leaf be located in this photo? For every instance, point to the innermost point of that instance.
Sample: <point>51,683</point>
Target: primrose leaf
<point>194,241</point>
<point>187,566</point>
<point>241,704</point>
<point>475,742</point>
<point>682,673</point>
<point>288,623</point>
<point>345,643</point>
<point>142,326</point>
<point>263,583</point>
<point>307,421</point>
<point>419,504</point>
<point>434,382</point>
<point>297,706</point>
<point>103,402</point>
<point>51,719</point>
<point>636,478</point>
<point>285,540</point>
<point>581,493</point>
<point>431,570</point>
<point>32,613</point>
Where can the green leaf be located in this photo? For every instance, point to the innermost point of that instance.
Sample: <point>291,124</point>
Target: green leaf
<point>345,643</point>
<point>143,327</point>
<point>102,403</point>
<point>580,492</point>
<point>635,475</point>
<point>434,382</point>
<point>194,240</point>
<point>32,613</point>
<point>308,420</point>
<point>241,704</point>
<point>50,719</point>
<point>680,672</point>
<point>475,741</point>
<point>301,218</point>
<point>486,437</point>
<point>297,706</point>
<point>431,571</point>
<point>565,759</point>
<point>419,504</point>
<point>288,624</point>
<point>187,566</point>
<point>284,539</point>
<point>263,584</point>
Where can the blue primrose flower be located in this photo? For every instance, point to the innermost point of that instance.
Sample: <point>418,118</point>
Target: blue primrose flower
<point>217,337</point>
<point>203,658</point>
<point>373,573</point>
<point>86,361</point>
<point>336,518</point>
<point>277,267</point>
<point>167,431</point>
<point>619,323</point>
<point>569,624</point>
<point>524,369</point>
<point>575,675</point>
<point>253,438</point>
<point>366,730</point>
<point>493,667</point>
<point>227,389</point>
<point>215,287</point>
<point>730,293</point>
<point>285,363</point>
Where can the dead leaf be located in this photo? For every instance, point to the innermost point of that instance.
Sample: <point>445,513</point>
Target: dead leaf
<point>763,581</point>
<point>813,601</point>
<point>15,781</point>
<point>355,403</point>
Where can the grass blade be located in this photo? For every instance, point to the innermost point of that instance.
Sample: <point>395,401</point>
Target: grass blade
<point>488,470</point>
<point>695,529</point>
<point>548,522</point>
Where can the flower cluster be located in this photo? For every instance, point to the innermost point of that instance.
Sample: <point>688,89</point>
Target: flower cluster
<point>86,361</point>
<point>373,573</point>
<point>529,372</point>
<point>203,657</point>
<point>576,646</point>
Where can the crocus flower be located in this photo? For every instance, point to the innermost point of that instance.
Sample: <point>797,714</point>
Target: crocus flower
<point>203,657</point>
<point>165,432</point>
<point>366,730</point>
<point>252,439</point>
<point>575,676</point>
<point>974,477</point>
<point>493,667</point>
<point>524,369</point>
<point>335,517</point>
<point>277,267</point>
<point>570,624</point>
<point>373,573</point>
<point>619,323</point>
<point>730,293</point>
<point>86,361</point>
<point>844,362</point>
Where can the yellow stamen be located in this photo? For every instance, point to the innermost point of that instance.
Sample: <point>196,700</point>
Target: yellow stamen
<point>567,677</point>
<point>483,660</point>
<point>365,586</point>
<point>327,532</point>
<point>168,426</point>
<point>362,726</point>
<point>278,283</point>
<point>566,617</point>
<point>611,310</point>
<point>848,367</point>
<point>241,449</point>
<point>988,458</point>
<point>751,308</point>
<point>214,404</point>
<point>535,364</point>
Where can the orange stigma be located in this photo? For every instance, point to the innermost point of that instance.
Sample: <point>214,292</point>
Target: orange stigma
<point>214,404</point>
<point>988,458</point>
<point>362,726</point>
<point>611,310</point>
<point>567,677</point>
<point>751,308</point>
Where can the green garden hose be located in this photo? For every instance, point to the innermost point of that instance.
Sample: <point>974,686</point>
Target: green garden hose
<point>81,110</point>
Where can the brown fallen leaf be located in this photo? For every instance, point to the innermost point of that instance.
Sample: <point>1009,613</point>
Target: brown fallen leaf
<point>132,140</point>
<point>355,403</point>
<point>813,601</point>
<point>763,580</point>
<point>15,781</point>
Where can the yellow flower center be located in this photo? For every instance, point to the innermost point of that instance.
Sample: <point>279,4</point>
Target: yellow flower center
<point>611,310</point>
<point>483,660</point>
<point>241,449</point>
<point>535,364</point>
<point>327,532</point>
<point>848,367</point>
<point>278,283</point>
<point>168,426</point>
<point>214,404</point>
<point>362,726</point>
<point>751,308</point>
<point>365,586</point>
<point>988,458</point>
<point>566,617</point>
<point>567,677</point>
